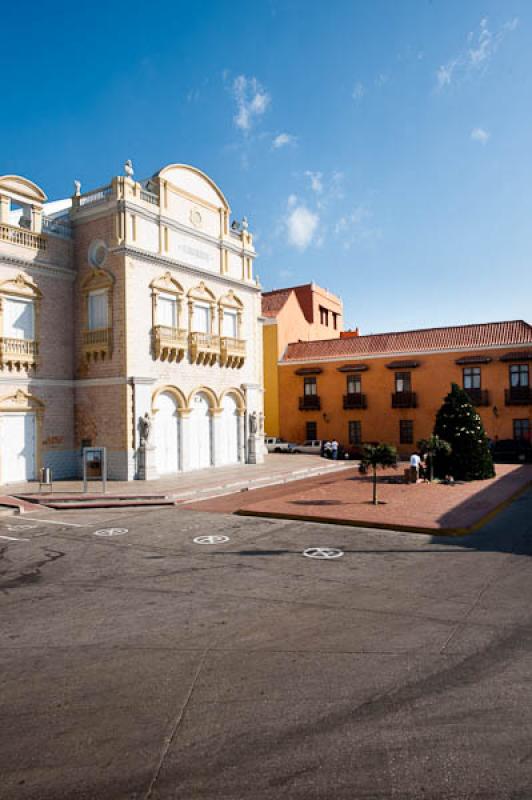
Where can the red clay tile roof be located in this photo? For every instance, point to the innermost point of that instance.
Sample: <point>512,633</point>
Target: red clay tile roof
<point>273,302</point>
<point>459,337</point>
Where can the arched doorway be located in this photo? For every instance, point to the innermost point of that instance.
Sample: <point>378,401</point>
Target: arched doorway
<point>167,438</point>
<point>200,432</point>
<point>230,430</point>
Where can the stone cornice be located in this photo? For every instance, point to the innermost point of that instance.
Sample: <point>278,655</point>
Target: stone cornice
<point>170,263</point>
<point>42,267</point>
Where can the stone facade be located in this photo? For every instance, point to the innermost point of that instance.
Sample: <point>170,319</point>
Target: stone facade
<point>144,302</point>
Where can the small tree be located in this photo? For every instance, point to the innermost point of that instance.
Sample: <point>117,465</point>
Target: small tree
<point>378,455</point>
<point>432,447</point>
<point>458,423</point>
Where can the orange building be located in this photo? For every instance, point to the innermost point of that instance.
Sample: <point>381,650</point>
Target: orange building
<point>299,313</point>
<point>388,387</point>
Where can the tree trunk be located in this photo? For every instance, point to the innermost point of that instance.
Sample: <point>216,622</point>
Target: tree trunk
<point>374,486</point>
<point>431,462</point>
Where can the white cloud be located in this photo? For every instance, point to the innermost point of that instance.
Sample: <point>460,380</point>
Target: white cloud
<point>356,228</point>
<point>482,45</point>
<point>359,91</point>
<point>480,135</point>
<point>301,226</point>
<point>316,183</point>
<point>292,200</point>
<point>283,139</point>
<point>252,100</point>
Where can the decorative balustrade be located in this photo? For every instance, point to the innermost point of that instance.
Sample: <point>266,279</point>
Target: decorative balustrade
<point>56,227</point>
<point>97,344</point>
<point>169,344</point>
<point>204,347</point>
<point>232,351</point>
<point>149,197</point>
<point>21,236</point>
<point>98,196</point>
<point>18,353</point>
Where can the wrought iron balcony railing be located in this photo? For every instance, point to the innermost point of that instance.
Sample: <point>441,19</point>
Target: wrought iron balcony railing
<point>518,396</point>
<point>355,400</point>
<point>478,397</point>
<point>404,400</point>
<point>309,402</point>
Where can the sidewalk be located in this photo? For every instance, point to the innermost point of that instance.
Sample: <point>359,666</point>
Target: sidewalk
<point>215,481</point>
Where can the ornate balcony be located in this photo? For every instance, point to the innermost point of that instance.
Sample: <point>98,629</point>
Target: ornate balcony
<point>355,400</point>
<point>17,354</point>
<point>204,347</point>
<point>23,237</point>
<point>169,344</point>
<point>232,351</point>
<point>478,397</point>
<point>97,344</point>
<point>518,396</point>
<point>404,400</point>
<point>309,402</point>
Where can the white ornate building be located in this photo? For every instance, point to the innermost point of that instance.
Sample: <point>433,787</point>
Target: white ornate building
<point>134,298</point>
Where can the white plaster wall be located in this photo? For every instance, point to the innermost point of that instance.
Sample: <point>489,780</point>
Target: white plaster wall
<point>193,183</point>
<point>147,235</point>
<point>180,208</point>
<point>235,265</point>
<point>195,252</point>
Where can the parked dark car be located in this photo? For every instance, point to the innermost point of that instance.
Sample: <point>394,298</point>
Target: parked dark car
<point>511,451</point>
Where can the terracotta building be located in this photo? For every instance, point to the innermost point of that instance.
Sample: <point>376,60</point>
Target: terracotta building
<point>389,386</point>
<point>134,298</point>
<point>298,313</point>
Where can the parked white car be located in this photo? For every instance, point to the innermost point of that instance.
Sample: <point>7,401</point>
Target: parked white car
<point>312,446</point>
<point>276,445</point>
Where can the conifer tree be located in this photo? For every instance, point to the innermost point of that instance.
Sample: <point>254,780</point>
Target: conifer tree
<point>458,423</point>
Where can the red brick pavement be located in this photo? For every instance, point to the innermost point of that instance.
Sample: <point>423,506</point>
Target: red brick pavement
<point>345,498</point>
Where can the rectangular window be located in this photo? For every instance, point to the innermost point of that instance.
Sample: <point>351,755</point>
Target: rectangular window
<point>354,384</point>
<point>472,378</point>
<point>402,382</point>
<point>335,320</point>
<point>167,310</point>
<point>230,324</point>
<point>519,375</point>
<point>19,318</point>
<point>324,316</point>
<point>522,429</point>
<point>98,310</point>
<point>202,318</point>
<point>311,430</point>
<point>355,431</point>
<point>406,431</point>
<point>310,388</point>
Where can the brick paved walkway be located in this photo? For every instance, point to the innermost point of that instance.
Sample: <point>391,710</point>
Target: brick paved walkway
<point>345,498</point>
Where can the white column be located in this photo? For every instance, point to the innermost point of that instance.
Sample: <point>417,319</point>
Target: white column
<point>242,437</point>
<point>217,437</point>
<point>186,439</point>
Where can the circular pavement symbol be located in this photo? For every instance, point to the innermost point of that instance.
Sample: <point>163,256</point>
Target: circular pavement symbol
<point>110,532</point>
<point>322,552</point>
<point>211,539</point>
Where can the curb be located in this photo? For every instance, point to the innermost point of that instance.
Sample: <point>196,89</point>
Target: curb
<point>398,528</point>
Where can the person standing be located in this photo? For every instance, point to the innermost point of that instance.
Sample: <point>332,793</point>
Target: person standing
<point>334,448</point>
<point>415,462</point>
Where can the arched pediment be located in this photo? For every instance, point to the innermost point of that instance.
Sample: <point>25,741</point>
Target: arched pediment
<point>22,286</point>
<point>21,189</point>
<point>166,284</point>
<point>201,293</point>
<point>230,300</point>
<point>237,395</point>
<point>209,394</point>
<point>97,279</point>
<point>194,182</point>
<point>21,401</point>
<point>176,393</point>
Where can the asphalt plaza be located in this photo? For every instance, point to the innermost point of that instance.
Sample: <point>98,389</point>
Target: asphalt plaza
<point>143,665</point>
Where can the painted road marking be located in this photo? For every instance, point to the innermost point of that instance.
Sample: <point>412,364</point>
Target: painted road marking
<point>54,522</point>
<point>13,539</point>
<point>211,539</point>
<point>111,532</point>
<point>322,552</point>
<point>20,527</point>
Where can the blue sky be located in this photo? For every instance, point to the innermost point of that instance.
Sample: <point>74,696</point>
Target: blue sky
<point>382,149</point>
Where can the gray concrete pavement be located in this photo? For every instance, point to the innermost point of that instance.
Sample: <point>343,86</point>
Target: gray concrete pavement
<point>145,666</point>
